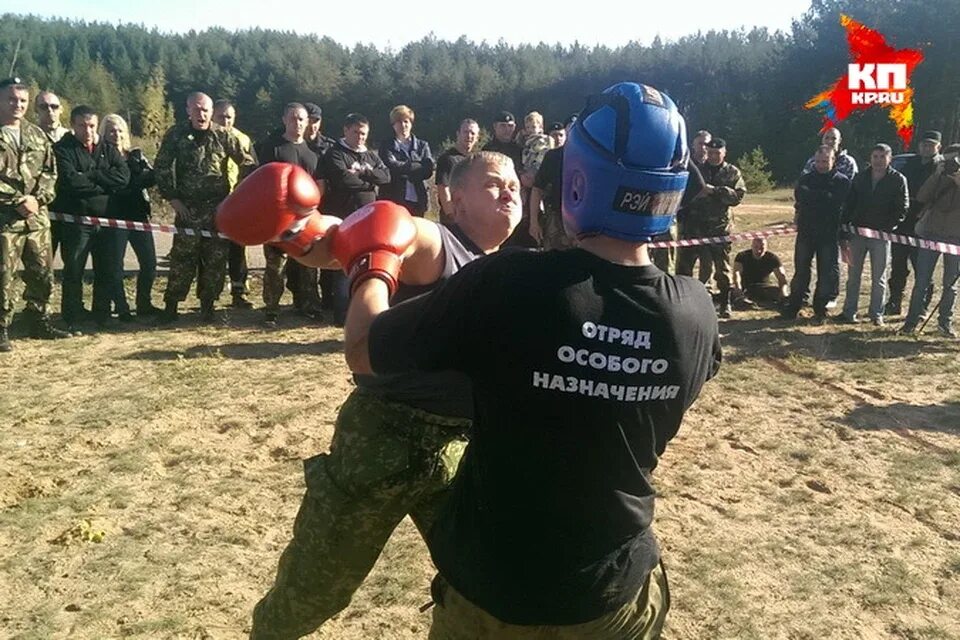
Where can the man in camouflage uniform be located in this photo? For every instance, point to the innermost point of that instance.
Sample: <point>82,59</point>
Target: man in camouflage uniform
<point>709,215</point>
<point>398,439</point>
<point>28,175</point>
<point>192,173</point>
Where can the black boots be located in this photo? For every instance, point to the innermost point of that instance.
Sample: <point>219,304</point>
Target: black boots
<point>206,311</point>
<point>169,314</point>
<point>40,327</point>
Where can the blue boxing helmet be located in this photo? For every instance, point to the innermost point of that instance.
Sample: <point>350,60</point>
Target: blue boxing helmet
<point>625,165</point>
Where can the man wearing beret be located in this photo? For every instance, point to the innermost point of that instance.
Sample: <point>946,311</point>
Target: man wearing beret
<point>709,215</point>
<point>917,169</point>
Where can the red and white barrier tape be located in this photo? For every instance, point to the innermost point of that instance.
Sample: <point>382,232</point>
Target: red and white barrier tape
<point>134,226</point>
<point>942,247</point>
<point>746,235</point>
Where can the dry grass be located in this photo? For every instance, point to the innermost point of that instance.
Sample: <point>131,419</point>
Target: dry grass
<point>149,479</point>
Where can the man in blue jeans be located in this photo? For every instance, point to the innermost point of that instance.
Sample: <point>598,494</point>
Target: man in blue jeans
<point>819,204</point>
<point>940,221</point>
<point>878,199</point>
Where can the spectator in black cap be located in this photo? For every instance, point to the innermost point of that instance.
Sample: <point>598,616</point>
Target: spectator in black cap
<point>317,142</point>
<point>917,169</point>
<point>558,134</point>
<point>709,216</point>
<point>504,128</point>
<point>546,226</point>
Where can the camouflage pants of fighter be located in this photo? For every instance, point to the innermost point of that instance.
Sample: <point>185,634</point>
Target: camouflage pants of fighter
<point>196,257</point>
<point>642,618</point>
<point>387,460</point>
<point>19,242</point>
<point>554,235</point>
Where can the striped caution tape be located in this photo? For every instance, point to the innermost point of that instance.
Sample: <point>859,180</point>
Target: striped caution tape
<point>746,235</point>
<point>134,226</point>
<point>942,247</point>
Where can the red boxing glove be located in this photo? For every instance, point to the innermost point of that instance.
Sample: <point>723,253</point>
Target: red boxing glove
<point>371,241</point>
<point>298,239</point>
<point>267,203</point>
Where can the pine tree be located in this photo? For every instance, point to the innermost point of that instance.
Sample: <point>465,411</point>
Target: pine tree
<point>756,174</point>
<point>156,114</point>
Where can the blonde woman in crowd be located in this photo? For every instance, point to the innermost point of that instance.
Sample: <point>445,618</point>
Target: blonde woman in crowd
<point>132,203</point>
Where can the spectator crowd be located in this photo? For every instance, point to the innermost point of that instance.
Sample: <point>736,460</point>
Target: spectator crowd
<point>91,169</point>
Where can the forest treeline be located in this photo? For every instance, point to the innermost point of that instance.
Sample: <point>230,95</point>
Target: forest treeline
<point>748,86</point>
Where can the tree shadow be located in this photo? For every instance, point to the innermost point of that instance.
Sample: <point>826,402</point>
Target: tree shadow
<point>752,338</point>
<point>243,351</point>
<point>944,417</point>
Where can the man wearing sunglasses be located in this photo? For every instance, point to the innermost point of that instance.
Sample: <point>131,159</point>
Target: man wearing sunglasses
<point>48,109</point>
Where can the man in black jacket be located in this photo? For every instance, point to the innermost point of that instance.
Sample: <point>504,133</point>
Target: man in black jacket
<point>352,174</point>
<point>87,174</point>
<point>878,199</point>
<point>819,205</point>
<point>917,169</point>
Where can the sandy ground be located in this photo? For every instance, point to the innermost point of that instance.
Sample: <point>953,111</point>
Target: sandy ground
<point>149,478</point>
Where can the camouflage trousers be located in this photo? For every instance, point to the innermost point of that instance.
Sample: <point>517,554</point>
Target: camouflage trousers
<point>19,242</point>
<point>666,259</point>
<point>387,460</point>
<point>554,235</point>
<point>456,618</point>
<point>301,280</point>
<point>195,257</point>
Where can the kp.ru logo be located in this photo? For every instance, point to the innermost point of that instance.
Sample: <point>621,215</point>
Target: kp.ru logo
<point>864,80</point>
<point>878,76</point>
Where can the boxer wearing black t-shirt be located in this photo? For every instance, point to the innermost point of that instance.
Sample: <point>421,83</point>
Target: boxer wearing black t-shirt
<point>553,499</point>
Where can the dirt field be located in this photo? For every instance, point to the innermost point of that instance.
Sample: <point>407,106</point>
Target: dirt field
<point>149,478</point>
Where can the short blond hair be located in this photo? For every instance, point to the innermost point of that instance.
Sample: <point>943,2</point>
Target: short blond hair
<point>116,119</point>
<point>534,117</point>
<point>401,112</point>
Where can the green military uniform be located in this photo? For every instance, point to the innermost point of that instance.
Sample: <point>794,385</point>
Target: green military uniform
<point>386,460</point>
<point>193,166</point>
<point>27,168</point>
<point>708,216</point>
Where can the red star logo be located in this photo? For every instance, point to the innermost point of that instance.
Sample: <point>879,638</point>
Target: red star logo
<point>869,50</point>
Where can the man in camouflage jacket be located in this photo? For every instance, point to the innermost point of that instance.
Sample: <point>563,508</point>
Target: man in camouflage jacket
<point>28,175</point>
<point>709,215</point>
<point>192,173</point>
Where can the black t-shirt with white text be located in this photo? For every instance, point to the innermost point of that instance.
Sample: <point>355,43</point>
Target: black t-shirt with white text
<point>757,271</point>
<point>582,371</point>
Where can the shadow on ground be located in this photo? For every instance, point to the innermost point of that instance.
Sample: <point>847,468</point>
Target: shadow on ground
<point>243,351</point>
<point>750,338</point>
<point>944,417</point>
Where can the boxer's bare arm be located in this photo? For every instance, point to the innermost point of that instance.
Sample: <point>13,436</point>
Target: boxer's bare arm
<point>370,299</point>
